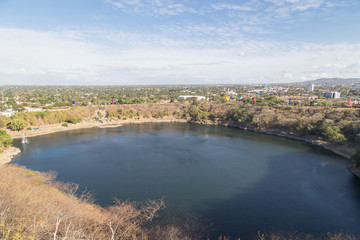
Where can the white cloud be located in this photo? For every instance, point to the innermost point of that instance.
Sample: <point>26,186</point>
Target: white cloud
<point>151,7</point>
<point>73,57</point>
<point>233,18</point>
<point>288,75</point>
<point>234,7</point>
<point>267,10</point>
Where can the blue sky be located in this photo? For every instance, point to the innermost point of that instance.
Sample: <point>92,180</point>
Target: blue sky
<point>88,42</point>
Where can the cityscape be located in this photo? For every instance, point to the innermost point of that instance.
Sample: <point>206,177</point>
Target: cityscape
<point>40,98</point>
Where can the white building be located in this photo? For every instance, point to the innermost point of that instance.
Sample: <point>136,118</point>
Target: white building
<point>310,87</point>
<point>29,109</point>
<point>191,97</point>
<point>231,93</point>
<point>8,112</point>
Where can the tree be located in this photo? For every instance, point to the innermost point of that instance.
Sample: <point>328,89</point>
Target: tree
<point>16,124</point>
<point>5,139</point>
<point>332,132</point>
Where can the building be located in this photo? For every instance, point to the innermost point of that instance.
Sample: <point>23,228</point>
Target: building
<point>59,108</point>
<point>191,97</point>
<point>331,94</point>
<point>310,87</point>
<point>231,93</point>
<point>29,109</point>
<point>8,112</point>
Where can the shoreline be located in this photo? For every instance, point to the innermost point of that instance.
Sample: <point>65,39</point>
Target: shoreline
<point>334,148</point>
<point>54,128</point>
<point>118,123</point>
<point>276,132</point>
<point>316,142</point>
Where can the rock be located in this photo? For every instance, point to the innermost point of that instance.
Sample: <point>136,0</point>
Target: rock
<point>8,155</point>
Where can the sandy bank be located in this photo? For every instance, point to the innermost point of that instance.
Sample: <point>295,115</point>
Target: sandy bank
<point>8,155</point>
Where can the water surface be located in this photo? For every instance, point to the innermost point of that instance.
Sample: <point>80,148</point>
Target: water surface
<point>241,181</point>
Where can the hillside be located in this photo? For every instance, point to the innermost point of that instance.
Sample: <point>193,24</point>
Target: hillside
<point>333,80</point>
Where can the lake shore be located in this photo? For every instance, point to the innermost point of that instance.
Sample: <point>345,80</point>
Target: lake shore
<point>340,150</point>
<point>53,128</point>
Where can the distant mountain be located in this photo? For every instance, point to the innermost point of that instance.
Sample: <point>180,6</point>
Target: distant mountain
<point>333,80</point>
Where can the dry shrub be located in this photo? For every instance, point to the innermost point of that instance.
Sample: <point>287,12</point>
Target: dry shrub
<point>187,228</point>
<point>147,110</point>
<point>31,207</point>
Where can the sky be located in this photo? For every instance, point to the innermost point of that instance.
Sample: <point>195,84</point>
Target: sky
<point>146,42</point>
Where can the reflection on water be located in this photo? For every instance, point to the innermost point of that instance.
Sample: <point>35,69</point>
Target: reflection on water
<point>243,181</point>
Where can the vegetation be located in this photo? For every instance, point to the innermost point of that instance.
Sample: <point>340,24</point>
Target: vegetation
<point>5,140</point>
<point>75,115</point>
<point>356,158</point>
<point>33,206</point>
<point>16,124</point>
<point>337,125</point>
<point>20,98</point>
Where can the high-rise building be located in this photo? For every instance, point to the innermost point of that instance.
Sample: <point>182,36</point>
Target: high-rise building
<point>336,95</point>
<point>332,94</point>
<point>310,87</point>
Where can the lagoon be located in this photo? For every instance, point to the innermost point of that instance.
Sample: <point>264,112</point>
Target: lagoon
<point>241,182</point>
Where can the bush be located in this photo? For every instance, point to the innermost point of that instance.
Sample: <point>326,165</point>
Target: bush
<point>33,207</point>
<point>64,125</point>
<point>332,132</point>
<point>352,130</point>
<point>16,124</point>
<point>5,139</point>
<point>356,158</point>
<point>73,120</point>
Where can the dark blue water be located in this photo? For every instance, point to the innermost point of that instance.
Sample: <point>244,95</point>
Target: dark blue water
<point>240,181</point>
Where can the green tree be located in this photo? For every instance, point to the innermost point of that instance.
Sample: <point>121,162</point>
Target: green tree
<point>16,124</point>
<point>73,120</point>
<point>5,139</point>
<point>332,132</point>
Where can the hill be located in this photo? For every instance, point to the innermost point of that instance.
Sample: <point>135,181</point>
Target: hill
<point>333,80</point>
